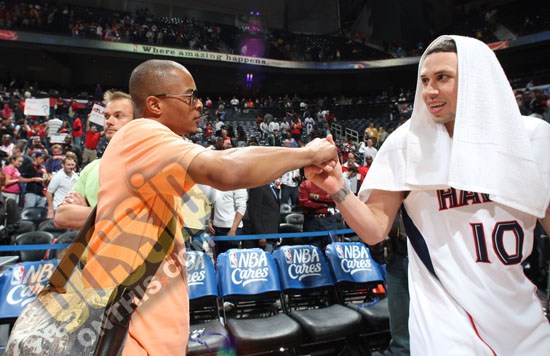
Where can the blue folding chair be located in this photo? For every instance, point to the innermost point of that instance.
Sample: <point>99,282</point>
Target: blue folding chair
<point>207,335</point>
<point>257,323</point>
<point>312,301</point>
<point>356,274</point>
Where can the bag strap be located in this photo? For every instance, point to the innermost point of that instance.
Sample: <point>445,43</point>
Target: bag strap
<point>114,329</point>
<point>71,258</point>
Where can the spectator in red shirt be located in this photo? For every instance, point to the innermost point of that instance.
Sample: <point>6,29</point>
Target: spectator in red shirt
<point>318,209</point>
<point>209,130</point>
<point>38,129</point>
<point>77,132</point>
<point>296,130</point>
<point>90,143</point>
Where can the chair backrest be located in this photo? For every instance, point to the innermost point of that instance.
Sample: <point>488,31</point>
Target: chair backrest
<point>295,219</point>
<point>48,225</point>
<point>302,267</point>
<point>65,238</point>
<point>246,272</point>
<point>203,289</point>
<point>305,277</point>
<point>34,214</point>
<point>201,276</point>
<point>352,262</point>
<point>32,238</point>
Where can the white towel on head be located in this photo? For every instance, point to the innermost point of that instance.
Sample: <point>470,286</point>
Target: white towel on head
<point>494,149</point>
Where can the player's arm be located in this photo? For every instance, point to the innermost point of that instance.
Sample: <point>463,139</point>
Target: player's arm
<point>546,222</point>
<point>254,166</point>
<point>371,220</point>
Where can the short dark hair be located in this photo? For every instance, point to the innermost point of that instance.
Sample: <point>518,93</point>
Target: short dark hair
<point>443,46</point>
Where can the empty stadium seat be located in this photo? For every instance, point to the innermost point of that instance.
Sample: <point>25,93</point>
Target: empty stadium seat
<point>207,334</point>
<point>65,238</point>
<point>48,225</point>
<point>312,301</point>
<point>257,324</point>
<point>34,214</point>
<point>32,238</point>
<point>356,275</point>
<point>295,219</point>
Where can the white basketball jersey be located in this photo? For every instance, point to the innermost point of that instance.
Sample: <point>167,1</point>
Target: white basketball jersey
<point>469,295</point>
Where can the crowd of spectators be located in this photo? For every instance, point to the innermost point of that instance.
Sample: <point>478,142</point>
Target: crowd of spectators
<point>248,39</point>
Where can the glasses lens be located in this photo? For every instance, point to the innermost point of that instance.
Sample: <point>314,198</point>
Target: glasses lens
<point>195,96</point>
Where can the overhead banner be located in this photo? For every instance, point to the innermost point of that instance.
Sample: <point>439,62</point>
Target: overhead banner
<point>48,39</point>
<point>37,107</point>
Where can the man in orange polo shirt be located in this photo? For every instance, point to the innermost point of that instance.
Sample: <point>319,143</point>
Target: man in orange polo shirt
<point>144,172</point>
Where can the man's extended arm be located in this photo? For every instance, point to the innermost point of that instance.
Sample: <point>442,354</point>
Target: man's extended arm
<point>254,166</point>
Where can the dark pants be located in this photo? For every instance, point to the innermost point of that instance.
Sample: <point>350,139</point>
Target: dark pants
<point>222,246</point>
<point>291,193</point>
<point>398,304</point>
<point>312,223</point>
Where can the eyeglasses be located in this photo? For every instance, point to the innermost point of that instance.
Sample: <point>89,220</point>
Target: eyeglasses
<point>194,95</point>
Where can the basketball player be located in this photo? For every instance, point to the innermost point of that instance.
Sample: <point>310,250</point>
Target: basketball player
<point>469,219</point>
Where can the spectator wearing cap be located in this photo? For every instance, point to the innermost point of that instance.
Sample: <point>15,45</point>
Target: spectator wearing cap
<point>36,176</point>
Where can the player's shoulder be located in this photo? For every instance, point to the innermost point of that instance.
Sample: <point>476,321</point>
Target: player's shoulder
<point>536,127</point>
<point>398,138</point>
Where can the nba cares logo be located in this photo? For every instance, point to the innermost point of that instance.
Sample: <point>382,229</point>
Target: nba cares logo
<point>288,256</point>
<point>339,251</point>
<point>233,260</point>
<point>17,276</point>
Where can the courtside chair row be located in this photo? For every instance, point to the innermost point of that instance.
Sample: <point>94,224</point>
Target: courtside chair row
<point>295,301</point>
